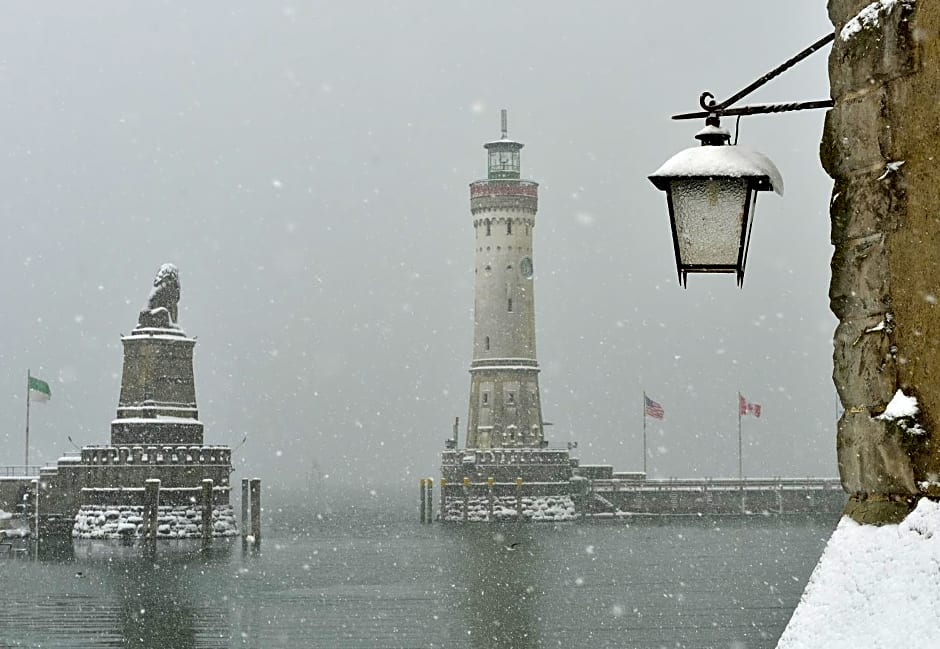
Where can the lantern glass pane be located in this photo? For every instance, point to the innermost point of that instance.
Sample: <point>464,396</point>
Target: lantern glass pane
<point>709,213</point>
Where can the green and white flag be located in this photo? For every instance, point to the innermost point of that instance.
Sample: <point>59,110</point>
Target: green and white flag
<point>39,390</point>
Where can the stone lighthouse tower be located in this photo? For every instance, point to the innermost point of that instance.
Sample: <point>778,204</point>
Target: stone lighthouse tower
<point>506,469</point>
<point>505,411</point>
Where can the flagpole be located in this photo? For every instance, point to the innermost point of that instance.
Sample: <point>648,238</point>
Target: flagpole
<point>27,421</point>
<point>644,435</point>
<point>740,460</point>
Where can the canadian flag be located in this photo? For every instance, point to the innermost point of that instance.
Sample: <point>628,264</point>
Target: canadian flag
<point>747,408</point>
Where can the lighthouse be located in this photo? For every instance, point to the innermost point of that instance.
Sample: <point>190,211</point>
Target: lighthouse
<point>505,470</point>
<point>505,410</point>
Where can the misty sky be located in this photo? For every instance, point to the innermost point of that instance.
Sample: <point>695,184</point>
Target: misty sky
<point>306,167</point>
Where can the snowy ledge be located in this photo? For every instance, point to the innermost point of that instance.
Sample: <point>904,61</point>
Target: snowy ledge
<point>874,587</point>
<point>870,16</point>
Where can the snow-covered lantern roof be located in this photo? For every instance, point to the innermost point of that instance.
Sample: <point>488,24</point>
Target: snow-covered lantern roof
<point>711,191</point>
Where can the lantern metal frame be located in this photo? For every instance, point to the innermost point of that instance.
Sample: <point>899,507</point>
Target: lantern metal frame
<point>743,246</point>
<point>711,112</point>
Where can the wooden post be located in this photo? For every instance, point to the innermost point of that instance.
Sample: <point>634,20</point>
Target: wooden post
<point>443,500</point>
<point>519,515</point>
<point>255,489</point>
<point>466,499</point>
<point>151,508</point>
<point>422,495</point>
<point>207,509</point>
<point>246,500</point>
<point>489,500</point>
<point>429,501</point>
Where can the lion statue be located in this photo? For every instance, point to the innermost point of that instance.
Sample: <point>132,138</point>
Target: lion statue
<point>161,310</point>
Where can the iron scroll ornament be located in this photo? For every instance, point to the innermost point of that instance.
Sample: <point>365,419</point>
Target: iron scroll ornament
<point>711,107</point>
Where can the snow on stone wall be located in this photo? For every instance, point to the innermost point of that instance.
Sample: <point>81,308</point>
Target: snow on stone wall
<point>551,509</point>
<point>177,522</point>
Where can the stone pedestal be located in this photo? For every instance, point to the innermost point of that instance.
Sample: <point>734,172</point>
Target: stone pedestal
<point>156,436</point>
<point>158,396</point>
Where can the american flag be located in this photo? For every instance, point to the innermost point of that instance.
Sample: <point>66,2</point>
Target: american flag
<point>652,409</point>
<point>747,408</point>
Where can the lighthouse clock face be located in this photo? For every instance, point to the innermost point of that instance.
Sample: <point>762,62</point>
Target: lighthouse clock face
<point>525,267</point>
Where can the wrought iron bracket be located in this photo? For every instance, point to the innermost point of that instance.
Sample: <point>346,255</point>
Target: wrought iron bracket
<point>711,107</point>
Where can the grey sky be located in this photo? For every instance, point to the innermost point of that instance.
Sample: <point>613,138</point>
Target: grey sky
<point>306,167</point>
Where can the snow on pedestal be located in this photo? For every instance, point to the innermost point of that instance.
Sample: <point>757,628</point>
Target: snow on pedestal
<point>874,587</point>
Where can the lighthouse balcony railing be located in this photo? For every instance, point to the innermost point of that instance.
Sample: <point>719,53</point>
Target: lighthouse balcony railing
<point>503,187</point>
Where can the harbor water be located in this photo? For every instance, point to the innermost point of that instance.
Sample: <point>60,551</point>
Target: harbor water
<point>380,579</point>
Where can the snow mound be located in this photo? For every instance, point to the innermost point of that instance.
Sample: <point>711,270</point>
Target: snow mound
<point>901,405</point>
<point>902,410</point>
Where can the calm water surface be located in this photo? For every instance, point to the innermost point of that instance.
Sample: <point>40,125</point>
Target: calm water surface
<point>386,581</point>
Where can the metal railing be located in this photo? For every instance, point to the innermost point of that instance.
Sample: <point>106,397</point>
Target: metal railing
<point>20,470</point>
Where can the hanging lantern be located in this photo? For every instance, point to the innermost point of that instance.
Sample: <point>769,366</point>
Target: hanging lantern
<point>711,191</point>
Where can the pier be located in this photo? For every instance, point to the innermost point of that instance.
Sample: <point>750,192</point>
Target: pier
<point>493,501</point>
<point>716,496</point>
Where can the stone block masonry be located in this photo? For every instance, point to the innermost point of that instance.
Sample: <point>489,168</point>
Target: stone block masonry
<point>880,145</point>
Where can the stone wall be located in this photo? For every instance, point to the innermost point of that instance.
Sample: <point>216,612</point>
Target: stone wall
<point>12,491</point>
<point>505,465</point>
<point>879,145</point>
<point>116,475</point>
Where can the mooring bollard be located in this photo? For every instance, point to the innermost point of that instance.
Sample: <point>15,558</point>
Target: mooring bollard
<point>422,494</point>
<point>489,499</point>
<point>151,508</point>
<point>443,500</point>
<point>35,484</point>
<point>429,501</point>
<point>466,499</point>
<point>207,509</point>
<point>246,501</point>
<point>519,515</point>
<point>255,489</point>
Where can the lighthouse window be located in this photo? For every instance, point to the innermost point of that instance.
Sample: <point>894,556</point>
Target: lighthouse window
<point>487,227</point>
<point>486,343</point>
<point>511,398</point>
<point>508,227</point>
<point>486,398</point>
<point>509,305</point>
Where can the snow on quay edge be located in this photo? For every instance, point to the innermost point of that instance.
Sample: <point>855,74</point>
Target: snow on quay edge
<point>874,587</point>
